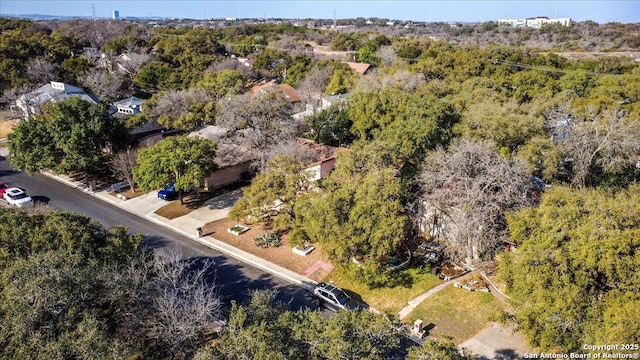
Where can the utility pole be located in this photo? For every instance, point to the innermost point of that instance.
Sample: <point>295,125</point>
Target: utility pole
<point>334,20</point>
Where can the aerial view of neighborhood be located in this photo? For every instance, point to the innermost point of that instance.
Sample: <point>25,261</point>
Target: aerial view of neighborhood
<point>238,180</point>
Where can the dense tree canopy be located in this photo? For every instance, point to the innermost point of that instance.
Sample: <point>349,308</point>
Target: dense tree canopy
<point>181,109</point>
<point>358,214</point>
<point>51,285</point>
<point>574,278</point>
<point>263,329</point>
<point>71,135</point>
<point>70,289</point>
<point>221,83</point>
<point>184,161</point>
<point>272,191</point>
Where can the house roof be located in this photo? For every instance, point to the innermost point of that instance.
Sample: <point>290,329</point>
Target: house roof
<point>323,152</point>
<point>291,95</point>
<point>261,87</point>
<point>53,92</point>
<point>148,127</point>
<point>129,102</point>
<point>228,152</point>
<point>210,132</point>
<point>360,68</point>
<point>340,98</point>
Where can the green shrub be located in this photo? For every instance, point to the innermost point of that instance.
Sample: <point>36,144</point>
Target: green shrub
<point>265,240</point>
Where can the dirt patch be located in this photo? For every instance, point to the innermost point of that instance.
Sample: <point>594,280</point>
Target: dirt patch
<point>6,126</point>
<point>282,255</point>
<point>126,191</point>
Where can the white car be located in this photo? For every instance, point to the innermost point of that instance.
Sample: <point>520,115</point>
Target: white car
<point>17,197</point>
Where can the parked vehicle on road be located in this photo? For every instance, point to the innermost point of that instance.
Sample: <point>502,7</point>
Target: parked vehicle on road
<point>334,297</point>
<point>168,193</point>
<point>17,197</point>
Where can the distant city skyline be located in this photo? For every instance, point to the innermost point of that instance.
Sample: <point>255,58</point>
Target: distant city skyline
<point>425,11</point>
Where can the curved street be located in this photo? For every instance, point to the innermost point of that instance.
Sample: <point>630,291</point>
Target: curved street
<point>234,278</point>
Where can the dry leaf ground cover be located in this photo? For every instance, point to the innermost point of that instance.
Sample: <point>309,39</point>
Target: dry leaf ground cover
<point>281,255</point>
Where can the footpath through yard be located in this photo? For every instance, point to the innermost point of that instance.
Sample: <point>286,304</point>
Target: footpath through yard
<point>494,342</point>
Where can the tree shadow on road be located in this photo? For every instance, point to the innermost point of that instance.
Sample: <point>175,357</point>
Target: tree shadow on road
<point>235,285</point>
<point>500,354</point>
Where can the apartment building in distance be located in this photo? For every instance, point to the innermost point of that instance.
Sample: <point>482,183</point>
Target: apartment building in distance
<point>536,22</point>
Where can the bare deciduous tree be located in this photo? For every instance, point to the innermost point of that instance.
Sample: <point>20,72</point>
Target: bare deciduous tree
<point>233,64</point>
<point>387,55</point>
<point>609,141</point>
<point>9,97</point>
<point>404,80</point>
<point>292,149</point>
<point>168,299</point>
<point>40,71</point>
<point>103,84</point>
<point>131,62</point>
<point>123,163</point>
<point>313,86</point>
<point>181,109</point>
<point>290,44</point>
<point>261,120</point>
<point>470,187</point>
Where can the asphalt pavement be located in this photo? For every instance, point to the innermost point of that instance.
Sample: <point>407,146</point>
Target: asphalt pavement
<point>495,342</point>
<point>145,206</point>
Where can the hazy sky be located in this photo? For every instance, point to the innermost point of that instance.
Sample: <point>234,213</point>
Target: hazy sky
<point>418,10</point>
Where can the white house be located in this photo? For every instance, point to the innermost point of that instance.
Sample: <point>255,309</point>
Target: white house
<point>31,103</point>
<point>536,22</point>
<point>128,106</point>
<point>326,102</point>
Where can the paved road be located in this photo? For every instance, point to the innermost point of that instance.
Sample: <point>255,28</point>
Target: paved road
<point>499,343</point>
<point>234,278</point>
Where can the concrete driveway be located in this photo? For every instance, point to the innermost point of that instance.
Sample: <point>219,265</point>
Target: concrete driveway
<point>497,342</point>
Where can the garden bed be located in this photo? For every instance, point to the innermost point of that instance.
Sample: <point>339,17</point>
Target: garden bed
<point>450,271</point>
<point>281,255</point>
<point>303,251</point>
<point>238,230</point>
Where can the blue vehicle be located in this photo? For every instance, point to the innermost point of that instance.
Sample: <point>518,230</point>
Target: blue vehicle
<point>168,193</point>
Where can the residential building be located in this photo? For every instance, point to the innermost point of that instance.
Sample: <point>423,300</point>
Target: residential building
<point>360,68</point>
<point>146,132</point>
<point>128,106</point>
<point>31,103</point>
<point>236,162</point>
<point>325,158</point>
<point>536,22</point>
<point>325,103</point>
<point>291,95</point>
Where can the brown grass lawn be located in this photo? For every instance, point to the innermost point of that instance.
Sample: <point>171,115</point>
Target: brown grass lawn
<point>191,201</point>
<point>126,191</point>
<point>6,126</point>
<point>392,299</point>
<point>281,255</point>
<point>384,299</point>
<point>457,313</point>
